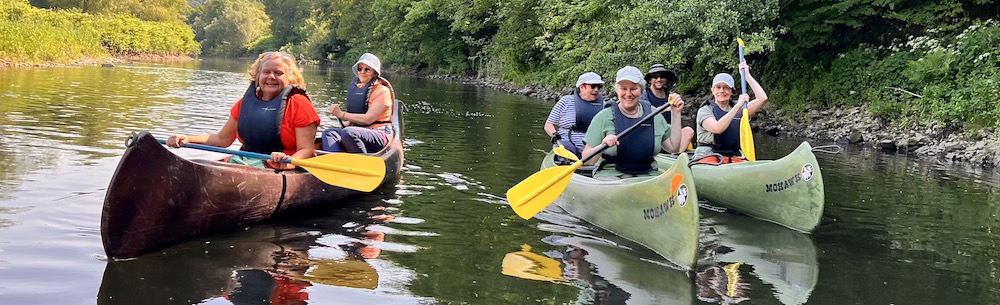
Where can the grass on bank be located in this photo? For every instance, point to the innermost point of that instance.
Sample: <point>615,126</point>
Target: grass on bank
<point>32,35</point>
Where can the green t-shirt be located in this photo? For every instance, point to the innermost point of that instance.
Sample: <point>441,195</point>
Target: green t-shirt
<point>705,136</point>
<point>602,126</point>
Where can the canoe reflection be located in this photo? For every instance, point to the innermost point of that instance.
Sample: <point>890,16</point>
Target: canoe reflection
<point>265,264</point>
<point>604,273</point>
<point>736,247</point>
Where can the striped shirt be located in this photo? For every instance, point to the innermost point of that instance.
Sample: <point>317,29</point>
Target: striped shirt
<point>563,115</point>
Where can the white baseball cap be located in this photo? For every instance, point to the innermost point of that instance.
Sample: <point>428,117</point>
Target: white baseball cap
<point>630,73</point>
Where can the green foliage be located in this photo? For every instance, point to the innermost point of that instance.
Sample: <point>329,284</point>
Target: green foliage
<point>40,35</point>
<point>959,77</point>
<point>149,10</point>
<point>230,27</point>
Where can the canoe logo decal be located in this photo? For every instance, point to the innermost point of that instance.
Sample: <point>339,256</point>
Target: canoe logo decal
<point>679,198</point>
<point>787,183</point>
<point>682,195</point>
<point>807,172</point>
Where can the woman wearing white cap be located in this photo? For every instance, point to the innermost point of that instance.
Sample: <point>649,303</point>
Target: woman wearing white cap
<point>275,83</point>
<point>718,120</point>
<point>368,119</point>
<point>570,117</point>
<point>632,154</point>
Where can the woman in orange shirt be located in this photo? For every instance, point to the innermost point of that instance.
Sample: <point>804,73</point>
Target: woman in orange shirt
<point>275,116</point>
<point>368,117</point>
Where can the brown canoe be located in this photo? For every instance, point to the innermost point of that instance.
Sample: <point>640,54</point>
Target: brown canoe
<point>157,199</point>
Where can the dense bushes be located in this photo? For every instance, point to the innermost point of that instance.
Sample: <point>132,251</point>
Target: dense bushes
<point>34,35</point>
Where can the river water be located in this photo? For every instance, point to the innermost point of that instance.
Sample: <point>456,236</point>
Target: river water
<point>896,230</point>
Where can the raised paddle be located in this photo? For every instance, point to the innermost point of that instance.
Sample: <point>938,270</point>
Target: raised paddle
<point>351,171</point>
<point>536,192</point>
<point>746,135</point>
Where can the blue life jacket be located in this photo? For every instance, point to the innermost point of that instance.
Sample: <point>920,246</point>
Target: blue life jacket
<point>635,150</point>
<point>727,143</point>
<point>357,99</point>
<point>585,111</point>
<point>656,102</point>
<point>259,122</point>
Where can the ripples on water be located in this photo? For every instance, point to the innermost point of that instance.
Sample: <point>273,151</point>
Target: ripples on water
<point>895,229</point>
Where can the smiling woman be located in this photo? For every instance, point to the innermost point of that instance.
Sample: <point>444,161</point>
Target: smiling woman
<point>368,117</point>
<point>275,116</point>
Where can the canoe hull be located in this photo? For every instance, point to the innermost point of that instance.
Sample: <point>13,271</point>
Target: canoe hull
<point>659,212</point>
<point>156,198</point>
<point>786,191</point>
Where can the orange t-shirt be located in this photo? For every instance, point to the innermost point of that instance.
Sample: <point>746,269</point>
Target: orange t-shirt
<point>299,112</point>
<point>381,95</point>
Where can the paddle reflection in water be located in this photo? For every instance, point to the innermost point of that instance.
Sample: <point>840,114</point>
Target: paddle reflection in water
<point>607,269</point>
<point>737,249</point>
<point>287,262</point>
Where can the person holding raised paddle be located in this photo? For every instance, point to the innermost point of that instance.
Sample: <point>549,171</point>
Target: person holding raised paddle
<point>368,119</point>
<point>632,154</point>
<point>275,116</point>
<point>718,120</point>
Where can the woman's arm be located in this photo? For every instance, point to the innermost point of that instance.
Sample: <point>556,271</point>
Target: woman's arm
<point>673,142</point>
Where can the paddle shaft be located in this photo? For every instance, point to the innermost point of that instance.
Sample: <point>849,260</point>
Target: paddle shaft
<point>227,151</point>
<point>602,147</point>
<point>743,75</point>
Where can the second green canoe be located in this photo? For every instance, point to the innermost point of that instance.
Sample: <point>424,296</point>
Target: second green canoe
<point>786,191</point>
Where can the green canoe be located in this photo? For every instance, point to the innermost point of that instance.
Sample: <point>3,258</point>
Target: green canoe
<point>787,191</point>
<point>641,209</point>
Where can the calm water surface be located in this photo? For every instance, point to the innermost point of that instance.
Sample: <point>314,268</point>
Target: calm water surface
<point>895,231</point>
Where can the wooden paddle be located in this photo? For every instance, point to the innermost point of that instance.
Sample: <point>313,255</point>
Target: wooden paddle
<point>746,134</point>
<point>351,171</point>
<point>536,192</point>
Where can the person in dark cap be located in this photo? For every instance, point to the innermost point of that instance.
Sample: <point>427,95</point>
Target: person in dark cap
<point>571,115</point>
<point>661,81</point>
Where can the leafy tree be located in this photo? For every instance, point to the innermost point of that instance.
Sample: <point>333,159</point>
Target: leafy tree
<point>288,21</point>
<point>230,27</point>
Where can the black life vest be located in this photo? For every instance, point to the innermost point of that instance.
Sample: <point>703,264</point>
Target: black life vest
<point>357,99</point>
<point>727,143</point>
<point>656,102</point>
<point>635,150</point>
<point>585,111</point>
<point>259,122</point>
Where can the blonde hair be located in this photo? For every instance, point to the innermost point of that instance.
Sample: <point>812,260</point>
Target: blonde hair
<point>294,72</point>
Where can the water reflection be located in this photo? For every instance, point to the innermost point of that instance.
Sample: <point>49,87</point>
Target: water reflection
<point>735,247</point>
<point>605,268</point>
<point>270,263</point>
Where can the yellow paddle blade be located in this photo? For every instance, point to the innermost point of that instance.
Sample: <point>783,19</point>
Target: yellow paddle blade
<point>351,171</point>
<point>746,138</point>
<point>565,153</point>
<point>740,41</point>
<point>733,278</point>
<point>536,192</point>
<point>532,266</point>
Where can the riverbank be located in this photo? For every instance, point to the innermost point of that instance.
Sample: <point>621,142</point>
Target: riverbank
<point>101,61</point>
<point>844,126</point>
